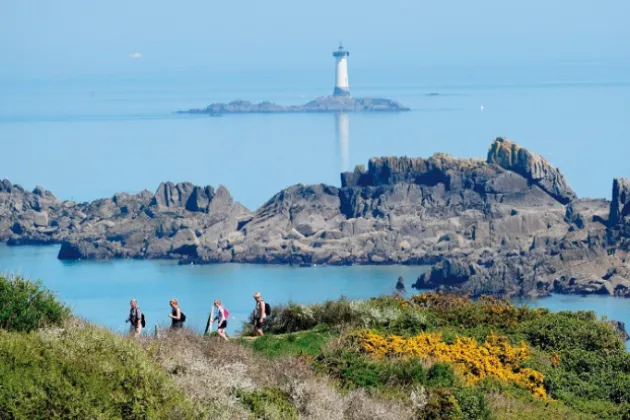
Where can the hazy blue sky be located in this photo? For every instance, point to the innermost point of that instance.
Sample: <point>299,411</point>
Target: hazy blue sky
<point>72,37</point>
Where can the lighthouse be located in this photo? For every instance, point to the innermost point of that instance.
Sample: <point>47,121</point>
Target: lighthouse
<point>341,72</point>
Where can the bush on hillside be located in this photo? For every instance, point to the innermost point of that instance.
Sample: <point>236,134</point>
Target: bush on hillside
<point>268,404</point>
<point>385,312</point>
<point>83,372</point>
<point>571,331</point>
<point>26,305</point>
<point>489,311</point>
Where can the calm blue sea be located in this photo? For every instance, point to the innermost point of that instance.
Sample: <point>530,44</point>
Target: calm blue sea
<point>100,291</point>
<point>87,137</point>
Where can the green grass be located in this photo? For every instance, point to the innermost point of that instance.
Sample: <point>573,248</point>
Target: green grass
<point>292,344</point>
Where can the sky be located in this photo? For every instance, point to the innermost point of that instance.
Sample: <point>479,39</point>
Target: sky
<point>77,37</point>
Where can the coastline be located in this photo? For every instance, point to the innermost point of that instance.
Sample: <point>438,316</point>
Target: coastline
<point>509,225</point>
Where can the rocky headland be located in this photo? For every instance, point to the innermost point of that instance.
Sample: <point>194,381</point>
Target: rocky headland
<point>322,104</point>
<point>508,225</point>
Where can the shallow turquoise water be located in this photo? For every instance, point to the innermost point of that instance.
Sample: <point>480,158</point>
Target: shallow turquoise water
<point>100,290</point>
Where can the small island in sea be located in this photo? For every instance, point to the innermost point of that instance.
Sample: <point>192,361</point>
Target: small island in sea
<point>339,101</point>
<point>322,104</point>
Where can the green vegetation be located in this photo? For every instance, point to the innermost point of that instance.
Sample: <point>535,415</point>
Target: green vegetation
<point>580,361</point>
<point>305,343</point>
<point>82,372</point>
<point>434,356</point>
<point>376,313</point>
<point>25,306</point>
<point>268,404</point>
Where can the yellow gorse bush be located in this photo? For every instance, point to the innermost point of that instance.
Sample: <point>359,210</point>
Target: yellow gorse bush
<point>495,358</point>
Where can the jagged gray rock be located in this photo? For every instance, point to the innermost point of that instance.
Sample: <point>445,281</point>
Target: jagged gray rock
<point>535,168</point>
<point>509,225</point>
<point>620,204</point>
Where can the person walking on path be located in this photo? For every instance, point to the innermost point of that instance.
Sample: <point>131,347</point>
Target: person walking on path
<point>221,316</point>
<point>177,316</point>
<point>259,314</point>
<point>135,318</point>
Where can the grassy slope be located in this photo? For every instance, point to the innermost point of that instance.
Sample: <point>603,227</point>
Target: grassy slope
<point>339,359</point>
<point>586,368</point>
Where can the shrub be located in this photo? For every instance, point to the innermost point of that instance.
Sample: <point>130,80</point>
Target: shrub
<point>442,405</point>
<point>290,318</point>
<point>82,372</point>
<point>270,403</point>
<point>26,305</point>
<point>487,310</point>
<point>354,370</point>
<point>385,312</point>
<point>441,375</point>
<point>495,358</point>
<point>473,403</point>
<point>590,375</point>
<point>569,330</point>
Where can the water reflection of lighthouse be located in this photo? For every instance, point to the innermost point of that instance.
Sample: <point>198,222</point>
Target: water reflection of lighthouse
<point>343,139</point>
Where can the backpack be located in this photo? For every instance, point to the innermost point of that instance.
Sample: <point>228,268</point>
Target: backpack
<point>226,312</point>
<point>143,322</point>
<point>267,309</point>
<point>183,317</point>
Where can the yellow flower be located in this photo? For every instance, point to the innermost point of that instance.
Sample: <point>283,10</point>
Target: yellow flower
<point>495,358</point>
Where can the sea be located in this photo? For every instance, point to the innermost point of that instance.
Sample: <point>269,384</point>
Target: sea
<point>85,137</point>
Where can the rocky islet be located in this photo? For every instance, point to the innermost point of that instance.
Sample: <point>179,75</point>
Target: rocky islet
<point>507,225</point>
<point>323,104</point>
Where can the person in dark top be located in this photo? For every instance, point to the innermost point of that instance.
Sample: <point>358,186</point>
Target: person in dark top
<point>176,315</point>
<point>135,318</point>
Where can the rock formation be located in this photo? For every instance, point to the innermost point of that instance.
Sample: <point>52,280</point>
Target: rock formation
<point>322,104</point>
<point>509,225</point>
<point>533,167</point>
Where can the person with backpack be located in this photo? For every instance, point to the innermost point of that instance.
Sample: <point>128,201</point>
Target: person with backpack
<point>136,318</point>
<point>222,315</point>
<point>177,316</point>
<point>262,311</point>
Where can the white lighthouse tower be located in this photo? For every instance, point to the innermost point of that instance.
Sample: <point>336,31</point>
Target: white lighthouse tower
<point>341,72</point>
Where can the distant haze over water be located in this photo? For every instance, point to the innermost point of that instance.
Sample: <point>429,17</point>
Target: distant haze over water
<point>88,137</point>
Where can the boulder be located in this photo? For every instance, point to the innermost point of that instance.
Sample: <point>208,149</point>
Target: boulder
<point>185,241</point>
<point>40,218</point>
<point>533,167</point>
<point>170,195</point>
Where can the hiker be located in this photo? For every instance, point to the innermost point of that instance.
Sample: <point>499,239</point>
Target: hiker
<point>177,316</point>
<point>135,318</point>
<point>222,316</point>
<point>259,314</point>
